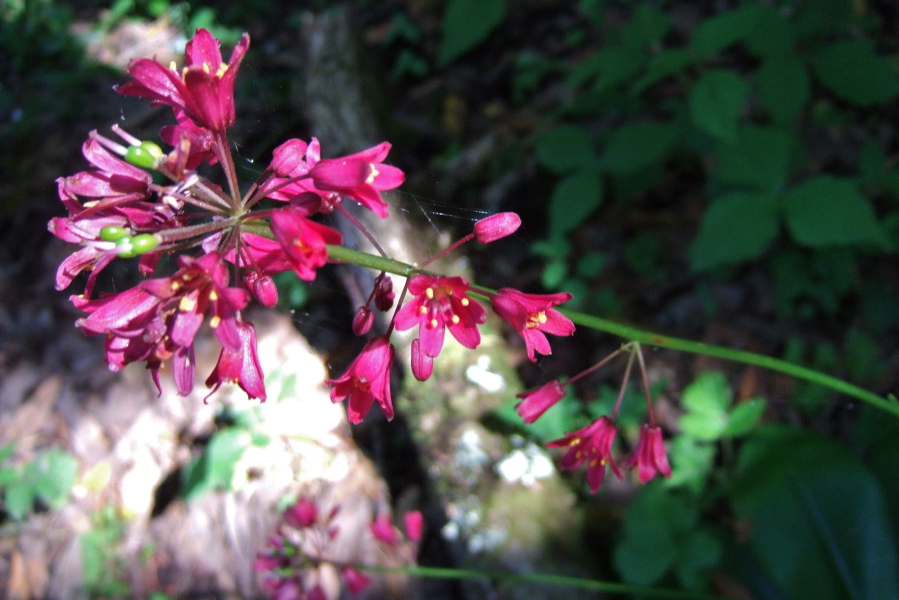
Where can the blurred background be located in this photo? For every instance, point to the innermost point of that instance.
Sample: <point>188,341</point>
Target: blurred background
<point>722,171</point>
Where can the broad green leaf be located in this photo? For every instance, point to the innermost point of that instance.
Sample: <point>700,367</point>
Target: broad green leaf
<point>648,26</point>
<point>590,264</point>
<point>53,474</point>
<point>564,149</point>
<point>744,416</point>
<point>572,201</point>
<point>648,548</point>
<point>716,33</point>
<point>716,102</point>
<point>7,475</point>
<point>706,402</point>
<point>772,32</point>
<point>735,228</point>
<point>18,498</point>
<point>466,24</point>
<point>224,450</point>
<point>691,461</point>
<point>760,158</point>
<point>827,210</point>
<point>783,85</point>
<point>634,146</point>
<point>816,517</point>
<point>664,64</point>
<point>606,68</point>
<point>6,451</point>
<point>854,71</point>
<point>698,553</point>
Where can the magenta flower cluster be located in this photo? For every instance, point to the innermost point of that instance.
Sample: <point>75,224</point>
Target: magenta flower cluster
<point>140,201</point>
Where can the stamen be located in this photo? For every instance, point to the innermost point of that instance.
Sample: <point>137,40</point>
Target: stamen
<point>187,304</point>
<point>215,321</point>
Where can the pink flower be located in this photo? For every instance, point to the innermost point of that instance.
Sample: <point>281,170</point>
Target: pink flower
<point>536,402</point>
<point>203,90</point>
<point>303,240</point>
<point>361,176</point>
<point>532,317</point>
<point>649,455</point>
<point>355,581</point>
<point>367,379</point>
<point>113,183</point>
<point>594,445</point>
<point>441,302</point>
<point>240,366</point>
<point>303,514</point>
<point>382,528</point>
<point>496,227</point>
<point>415,523</point>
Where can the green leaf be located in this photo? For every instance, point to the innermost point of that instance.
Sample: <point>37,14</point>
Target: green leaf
<point>783,85</point>
<point>590,264</point>
<point>6,451</point>
<point>466,24</point>
<point>18,499</point>
<point>706,401</point>
<point>772,32</point>
<point>634,146</point>
<point>607,68</point>
<point>827,210</point>
<point>7,475</point>
<point>692,461</point>
<point>716,102</point>
<point>816,517</point>
<point>53,474</point>
<point>664,64</point>
<point>572,201</point>
<point>564,149</point>
<point>648,549</point>
<point>744,417</point>
<point>735,228</point>
<point>760,159</point>
<point>855,72</point>
<point>224,450</point>
<point>698,553</point>
<point>720,31</point>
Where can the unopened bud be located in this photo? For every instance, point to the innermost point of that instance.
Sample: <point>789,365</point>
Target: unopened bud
<point>422,364</point>
<point>496,226</point>
<point>363,321</point>
<point>145,156</point>
<point>288,156</point>
<point>383,292</point>
<point>415,524</point>
<point>265,291</point>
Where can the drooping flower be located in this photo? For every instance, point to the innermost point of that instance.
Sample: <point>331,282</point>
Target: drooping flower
<point>382,528</point>
<point>536,402</point>
<point>240,366</point>
<point>592,444</point>
<point>649,456</point>
<point>361,176</point>
<point>203,90</point>
<point>441,302</point>
<point>303,240</point>
<point>367,379</point>
<point>532,316</point>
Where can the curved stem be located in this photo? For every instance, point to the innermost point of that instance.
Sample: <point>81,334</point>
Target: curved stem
<point>649,338</point>
<point>545,579</point>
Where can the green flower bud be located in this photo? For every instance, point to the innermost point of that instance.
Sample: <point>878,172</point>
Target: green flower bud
<point>111,233</point>
<point>144,156</point>
<point>143,243</point>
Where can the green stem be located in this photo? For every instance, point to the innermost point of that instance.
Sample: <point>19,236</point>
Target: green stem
<point>649,338</point>
<point>537,578</point>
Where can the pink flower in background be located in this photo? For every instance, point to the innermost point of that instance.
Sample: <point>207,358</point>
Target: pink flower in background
<point>532,316</point>
<point>649,456</point>
<point>361,176</point>
<point>495,227</point>
<point>367,379</point>
<point>441,302</point>
<point>203,90</point>
<point>592,444</point>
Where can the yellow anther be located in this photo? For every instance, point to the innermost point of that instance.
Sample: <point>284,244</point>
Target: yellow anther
<point>187,304</point>
<point>215,321</point>
<point>456,319</point>
<point>221,70</point>
<point>213,295</point>
<point>423,309</point>
<point>434,323</point>
<point>371,176</point>
<point>429,293</point>
<point>465,301</point>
